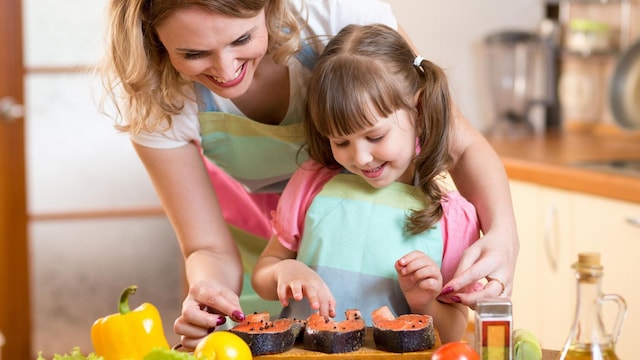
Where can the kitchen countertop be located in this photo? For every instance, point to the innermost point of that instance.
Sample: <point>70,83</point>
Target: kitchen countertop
<point>550,160</point>
<point>369,351</point>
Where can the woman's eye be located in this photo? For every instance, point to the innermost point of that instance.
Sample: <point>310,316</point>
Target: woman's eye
<point>192,56</point>
<point>242,40</point>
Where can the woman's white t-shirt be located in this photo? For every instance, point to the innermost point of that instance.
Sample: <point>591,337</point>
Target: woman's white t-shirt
<point>324,18</point>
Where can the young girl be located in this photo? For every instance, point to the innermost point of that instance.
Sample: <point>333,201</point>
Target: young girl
<point>367,221</point>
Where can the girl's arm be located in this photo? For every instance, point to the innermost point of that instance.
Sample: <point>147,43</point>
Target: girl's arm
<point>212,260</point>
<point>279,276</point>
<point>420,279</point>
<point>450,320</point>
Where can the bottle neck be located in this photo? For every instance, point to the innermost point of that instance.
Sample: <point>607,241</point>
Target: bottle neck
<point>588,326</point>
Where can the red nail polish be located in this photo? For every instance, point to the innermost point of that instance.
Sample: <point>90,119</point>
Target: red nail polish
<point>447,290</point>
<point>237,316</point>
<point>221,320</point>
<point>456,299</point>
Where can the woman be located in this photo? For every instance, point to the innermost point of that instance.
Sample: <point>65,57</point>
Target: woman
<point>226,79</point>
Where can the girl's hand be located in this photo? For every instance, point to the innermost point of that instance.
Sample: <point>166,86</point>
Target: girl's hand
<point>296,280</point>
<point>490,259</point>
<point>205,307</point>
<point>420,279</point>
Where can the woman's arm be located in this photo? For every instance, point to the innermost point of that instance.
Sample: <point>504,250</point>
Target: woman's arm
<point>212,260</point>
<point>480,177</point>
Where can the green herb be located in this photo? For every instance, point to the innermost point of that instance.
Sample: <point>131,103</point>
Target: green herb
<point>165,354</point>
<point>75,355</point>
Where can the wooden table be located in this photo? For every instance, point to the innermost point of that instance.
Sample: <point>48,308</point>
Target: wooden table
<point>550,355</point>
<point>368,351</point>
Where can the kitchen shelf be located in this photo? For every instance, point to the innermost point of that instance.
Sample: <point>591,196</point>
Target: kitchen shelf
<point>622,23</point>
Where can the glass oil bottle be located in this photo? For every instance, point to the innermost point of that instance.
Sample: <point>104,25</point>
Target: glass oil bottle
<point>588,338</point>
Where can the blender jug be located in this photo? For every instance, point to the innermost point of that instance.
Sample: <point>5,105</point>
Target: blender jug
<point>512,58</point>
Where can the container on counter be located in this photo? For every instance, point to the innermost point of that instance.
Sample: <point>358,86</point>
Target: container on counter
<point>589,338</point>
<point>494,329</point>
<point>586,37</point>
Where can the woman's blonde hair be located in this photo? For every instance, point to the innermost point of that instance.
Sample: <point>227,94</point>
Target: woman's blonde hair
<point>373,65</point>
<point>136,71</point>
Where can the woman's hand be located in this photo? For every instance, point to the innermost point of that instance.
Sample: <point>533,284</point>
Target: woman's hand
<point>205,307</point>
<point>420,279</point>
<point>492,258</point>
<point>296,280</point>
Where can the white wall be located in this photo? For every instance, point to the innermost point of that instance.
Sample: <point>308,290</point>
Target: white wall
<point>77,162</point>
<point>451,34</point>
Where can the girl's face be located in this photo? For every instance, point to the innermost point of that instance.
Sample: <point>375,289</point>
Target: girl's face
<point>219,51</point>
<point>380,154</point>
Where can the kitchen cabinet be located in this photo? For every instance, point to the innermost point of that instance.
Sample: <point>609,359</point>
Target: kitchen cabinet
<point>611,228</point>
<point>554,225</point>
<point>544,286</point>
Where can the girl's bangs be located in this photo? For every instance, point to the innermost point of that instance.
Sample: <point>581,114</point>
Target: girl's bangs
<point>354,98</point>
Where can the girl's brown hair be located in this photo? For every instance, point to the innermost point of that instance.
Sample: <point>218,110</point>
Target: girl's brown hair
<point>136,71</point>
<point>373,65</point>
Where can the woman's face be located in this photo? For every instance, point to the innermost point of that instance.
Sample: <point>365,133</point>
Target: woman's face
<point>382,153</point>
<point>217,50</point>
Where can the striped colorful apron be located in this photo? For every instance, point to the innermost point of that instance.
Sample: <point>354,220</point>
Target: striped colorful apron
<point>249,164</point>
<point>353,235</point>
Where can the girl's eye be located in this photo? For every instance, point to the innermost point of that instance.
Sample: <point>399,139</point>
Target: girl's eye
<point>376,139</point>
<point>340,143</point>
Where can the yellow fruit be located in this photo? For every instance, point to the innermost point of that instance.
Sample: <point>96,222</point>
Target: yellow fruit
<point>222,345</point>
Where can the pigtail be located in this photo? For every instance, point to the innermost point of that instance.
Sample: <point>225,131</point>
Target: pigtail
<point>433,123</point>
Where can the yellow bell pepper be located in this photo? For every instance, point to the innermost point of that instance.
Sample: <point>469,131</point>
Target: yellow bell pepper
<point>128,335</point>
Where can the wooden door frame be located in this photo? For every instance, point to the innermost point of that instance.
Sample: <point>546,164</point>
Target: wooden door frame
<point>15,315</point>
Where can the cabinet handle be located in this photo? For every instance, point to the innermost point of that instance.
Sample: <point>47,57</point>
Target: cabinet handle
<point>550,241</point>
<point>633,221</point>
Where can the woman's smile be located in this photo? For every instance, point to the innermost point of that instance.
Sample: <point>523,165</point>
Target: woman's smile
<point>220,51</point>
<point>238,76</point>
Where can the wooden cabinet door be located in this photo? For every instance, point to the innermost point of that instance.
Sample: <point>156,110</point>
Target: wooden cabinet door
<point>543,286</point>
<point>558,254</point>
<point>527,306</point>
<point>610,227</point>
<point>14,270</point>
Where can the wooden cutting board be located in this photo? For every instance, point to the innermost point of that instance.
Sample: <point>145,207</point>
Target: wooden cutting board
<point>367,351</point>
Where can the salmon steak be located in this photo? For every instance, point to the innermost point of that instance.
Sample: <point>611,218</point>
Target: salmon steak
<point>331,337</point>
<point>268,337</point>
<point>406,333</point>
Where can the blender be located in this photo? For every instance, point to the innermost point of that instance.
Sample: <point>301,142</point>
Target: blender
<point>512,58</point>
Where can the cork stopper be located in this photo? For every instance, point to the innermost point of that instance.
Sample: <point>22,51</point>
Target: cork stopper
<point>588,267</point>
<point>589,259</point>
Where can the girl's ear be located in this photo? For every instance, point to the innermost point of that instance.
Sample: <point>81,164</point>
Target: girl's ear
<point>416,97</point>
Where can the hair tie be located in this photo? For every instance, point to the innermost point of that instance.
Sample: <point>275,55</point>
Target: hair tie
<point>418,60</point>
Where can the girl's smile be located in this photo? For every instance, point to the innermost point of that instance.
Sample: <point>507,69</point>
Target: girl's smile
<point>375,172</point>
<point>382,153</point>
